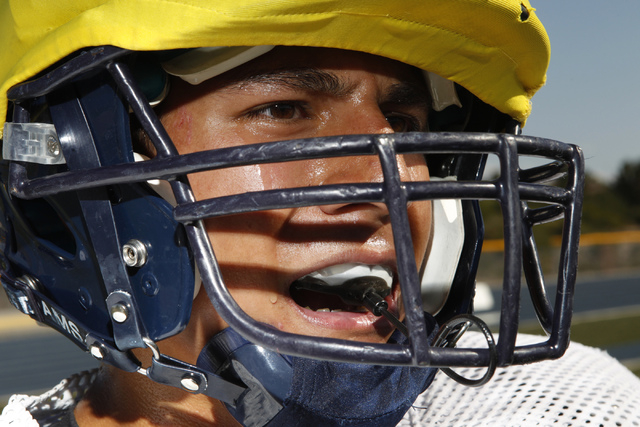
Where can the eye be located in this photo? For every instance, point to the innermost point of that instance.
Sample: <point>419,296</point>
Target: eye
<point>281,110</point>
<point>403,123</point>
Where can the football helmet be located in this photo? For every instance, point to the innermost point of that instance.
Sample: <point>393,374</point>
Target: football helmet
<point>108,247</point>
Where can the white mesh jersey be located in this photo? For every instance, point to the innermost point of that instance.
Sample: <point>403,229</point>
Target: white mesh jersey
<point>586,387</point>
<point>49,408</point>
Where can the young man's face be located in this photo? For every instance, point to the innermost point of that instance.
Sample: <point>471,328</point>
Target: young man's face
<point>299,93</point>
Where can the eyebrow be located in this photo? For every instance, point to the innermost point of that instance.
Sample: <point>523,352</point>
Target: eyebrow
<point>307,79</point>
<point>407,93</point>
<point>325,82</point>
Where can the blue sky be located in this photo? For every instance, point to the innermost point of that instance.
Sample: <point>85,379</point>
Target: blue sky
<point>592,96</point>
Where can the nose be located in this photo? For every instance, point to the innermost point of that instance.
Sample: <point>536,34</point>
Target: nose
<point>360,169</point>
<point>364,169</point>
<point>364,117</point>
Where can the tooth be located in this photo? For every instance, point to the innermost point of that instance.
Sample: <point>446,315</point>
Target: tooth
<point>324,310</point>
<point>338,274</point>
<point>337,310</point>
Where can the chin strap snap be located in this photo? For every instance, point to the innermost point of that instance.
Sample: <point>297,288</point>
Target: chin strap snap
<point>449,335</point>
<point>169,371</point>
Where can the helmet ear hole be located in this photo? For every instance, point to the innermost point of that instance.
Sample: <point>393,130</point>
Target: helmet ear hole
<point>153,81</point>
<point>44,222</point>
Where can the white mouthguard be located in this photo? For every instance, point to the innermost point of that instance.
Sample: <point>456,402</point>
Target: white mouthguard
<point>336,275</point>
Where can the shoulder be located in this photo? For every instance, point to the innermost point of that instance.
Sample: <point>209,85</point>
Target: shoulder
<point>49,408</point>
<point>584,387</point>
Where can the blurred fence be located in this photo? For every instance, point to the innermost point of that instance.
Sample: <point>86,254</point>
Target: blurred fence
<point>613,255</point>
<point>599,253</point>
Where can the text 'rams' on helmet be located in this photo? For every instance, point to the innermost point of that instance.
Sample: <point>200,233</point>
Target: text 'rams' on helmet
<point>107,247</point>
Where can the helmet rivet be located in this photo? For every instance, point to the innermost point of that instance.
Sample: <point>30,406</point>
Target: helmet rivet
<point>97,352</point>
<point>30,281</point>
<point>119,313</point>
<point>84,297</point>
<point>134,253</point>
<point>53,146</point>
<point>189,383</point>
<point>150,285</point>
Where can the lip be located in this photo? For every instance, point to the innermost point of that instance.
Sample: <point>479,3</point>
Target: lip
<point>356,322</point>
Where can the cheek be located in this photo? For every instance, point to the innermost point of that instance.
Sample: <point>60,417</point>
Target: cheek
<point>179,125</point>
<point>246,245</point>
<point>420,212</point>
<point>247,250</point>
<point>254,178</point>
<point>420,222</point>
<point>417,167</point>
<point>228,182</point>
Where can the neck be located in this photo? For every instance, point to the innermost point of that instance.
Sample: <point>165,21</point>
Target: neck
<point>119,398</point>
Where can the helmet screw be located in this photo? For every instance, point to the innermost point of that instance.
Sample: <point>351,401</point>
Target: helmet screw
<point>84,298</point>
<point>30,281</point>
<point>119,313</point>
<point>53,146</point>
<point>134,253</point>
<point>97,352</point>
<point>189,383</point>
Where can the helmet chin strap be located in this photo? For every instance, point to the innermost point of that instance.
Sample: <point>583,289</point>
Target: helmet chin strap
<point>286,390</point>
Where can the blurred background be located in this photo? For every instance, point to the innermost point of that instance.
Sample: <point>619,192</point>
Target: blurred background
<point>591,99</point>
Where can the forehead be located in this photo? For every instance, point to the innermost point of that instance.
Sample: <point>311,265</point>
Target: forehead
<point>337,61</point>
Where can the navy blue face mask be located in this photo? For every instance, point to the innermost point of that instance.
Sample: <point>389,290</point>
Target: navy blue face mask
<point>295,391</point>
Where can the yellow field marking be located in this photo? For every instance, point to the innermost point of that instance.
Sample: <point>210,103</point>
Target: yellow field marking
<point>13,322</point>
<point>493,245</point>
<point>587,239</point>
<point>609,238</point>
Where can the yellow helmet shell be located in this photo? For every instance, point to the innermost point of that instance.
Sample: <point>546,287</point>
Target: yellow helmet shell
<point>497,49</point>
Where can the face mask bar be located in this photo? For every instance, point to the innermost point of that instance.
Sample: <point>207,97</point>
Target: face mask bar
<point>512,189</point>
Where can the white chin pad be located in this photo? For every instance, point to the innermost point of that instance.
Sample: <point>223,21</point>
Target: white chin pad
<point>443,258</point>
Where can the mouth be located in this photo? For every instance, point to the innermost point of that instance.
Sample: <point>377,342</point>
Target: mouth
<point>341,288</point>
